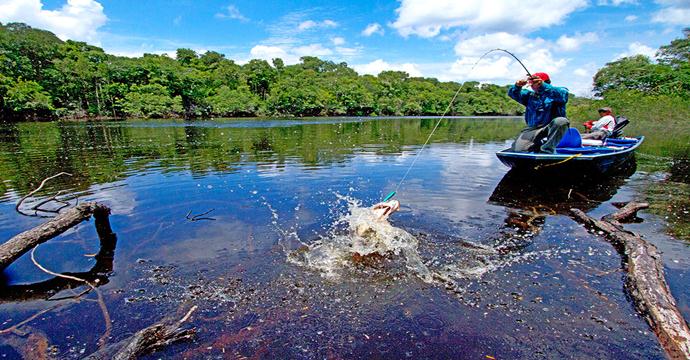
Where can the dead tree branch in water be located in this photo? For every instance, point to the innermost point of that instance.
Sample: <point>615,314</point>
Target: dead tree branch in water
<point>626,212</point>
<point>20,244</point>
<point>92,286</point>
<point>198,217</point>
<point>149,339</point>
<point>37,208</point>
<point>645,281</point>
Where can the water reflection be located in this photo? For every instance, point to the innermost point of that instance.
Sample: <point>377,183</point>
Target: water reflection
<point>276,185</point>
<point>558,195</point>
<point>529,200</point>
<point>98,275</point>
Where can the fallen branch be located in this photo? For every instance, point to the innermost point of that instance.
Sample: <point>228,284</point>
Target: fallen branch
<point>198,217</point>
<point>92,286</point>
<point>43,183</point>
<point>14,248</point>
<point>627,212</point>
<point>645,281</point>
<point>148,340</point>
<point>65,204</point>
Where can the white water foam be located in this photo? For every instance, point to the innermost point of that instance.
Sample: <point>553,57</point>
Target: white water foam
<point>365,235</point>
<point>358,234</point>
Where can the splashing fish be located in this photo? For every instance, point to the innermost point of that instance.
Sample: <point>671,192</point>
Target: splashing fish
<point>369,236</point>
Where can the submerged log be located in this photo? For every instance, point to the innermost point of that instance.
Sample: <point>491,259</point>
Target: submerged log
<point>626,212</point>
<point>645,281</point>
<point>148,340</point>
<point>20,244</point>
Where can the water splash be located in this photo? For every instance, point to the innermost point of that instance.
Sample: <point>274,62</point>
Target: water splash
<point>356,236</point>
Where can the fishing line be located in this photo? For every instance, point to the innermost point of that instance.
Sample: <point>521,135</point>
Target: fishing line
<point>392,193</point>
<point>507,52</point>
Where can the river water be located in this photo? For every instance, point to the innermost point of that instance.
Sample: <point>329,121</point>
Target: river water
<point>248,220</point>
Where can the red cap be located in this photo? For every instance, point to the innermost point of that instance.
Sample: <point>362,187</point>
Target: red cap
<point>544,76</point>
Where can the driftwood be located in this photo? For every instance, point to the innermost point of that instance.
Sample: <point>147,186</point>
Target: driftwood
<point>645,281</point>
<point>148,340</point>
<point>20,244</point>
<point>98,275</point>
<point>36,208</point>
<point>626,212</point>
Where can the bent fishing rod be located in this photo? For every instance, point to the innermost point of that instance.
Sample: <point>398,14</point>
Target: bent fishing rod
<point>507,52</point>
<point>392,193</point>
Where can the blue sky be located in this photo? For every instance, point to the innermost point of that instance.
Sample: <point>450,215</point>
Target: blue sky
<point>569,39</point>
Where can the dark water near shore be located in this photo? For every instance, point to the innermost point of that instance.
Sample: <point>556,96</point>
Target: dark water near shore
<point>514,276</point>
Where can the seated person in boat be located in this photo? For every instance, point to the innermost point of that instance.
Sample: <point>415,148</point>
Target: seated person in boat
<point>602,128</point>
<point>544,113</point>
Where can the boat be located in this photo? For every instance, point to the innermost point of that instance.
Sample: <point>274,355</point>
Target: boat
<point>613,155</point>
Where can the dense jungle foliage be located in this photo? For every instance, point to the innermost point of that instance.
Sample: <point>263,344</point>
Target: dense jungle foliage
<point>44,77</point>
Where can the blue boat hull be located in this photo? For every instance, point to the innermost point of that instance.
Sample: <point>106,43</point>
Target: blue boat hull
<point>572,163</point>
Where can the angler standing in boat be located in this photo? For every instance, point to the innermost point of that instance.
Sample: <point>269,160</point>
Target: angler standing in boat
<point>544,113</point>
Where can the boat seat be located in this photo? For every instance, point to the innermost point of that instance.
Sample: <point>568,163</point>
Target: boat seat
<point>621,122</point>
<point>571,139</point>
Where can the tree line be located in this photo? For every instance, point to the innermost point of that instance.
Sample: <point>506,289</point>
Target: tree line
<point>44,77</point>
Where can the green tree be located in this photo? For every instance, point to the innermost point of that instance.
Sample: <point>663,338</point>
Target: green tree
<point>186,56</point>
<point>234,102</point>
<point>677,52</point>
<point>151,101</point>
<point>27,99</point>
<point>259,75</point>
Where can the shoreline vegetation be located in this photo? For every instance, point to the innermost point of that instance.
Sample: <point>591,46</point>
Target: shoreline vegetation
<point>45,78</point>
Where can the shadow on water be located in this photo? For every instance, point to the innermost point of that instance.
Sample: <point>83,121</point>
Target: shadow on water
<point>98,275</point>
<point>557,194</point>
<point>530,199</point>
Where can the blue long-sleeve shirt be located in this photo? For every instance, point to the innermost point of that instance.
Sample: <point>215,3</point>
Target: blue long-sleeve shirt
<point>543,106</point>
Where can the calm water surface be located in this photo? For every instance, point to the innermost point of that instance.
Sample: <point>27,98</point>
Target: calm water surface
<point>511,275</point>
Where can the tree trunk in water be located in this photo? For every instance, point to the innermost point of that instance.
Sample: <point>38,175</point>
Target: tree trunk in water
<point>14,248</point>
<point>645,282</point>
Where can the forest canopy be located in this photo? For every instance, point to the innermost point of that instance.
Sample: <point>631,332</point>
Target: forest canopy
<point>43,77</point>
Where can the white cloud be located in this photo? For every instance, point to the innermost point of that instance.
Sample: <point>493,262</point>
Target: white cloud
<point>76,20</point>
<point>499,67</point>
<point>337,41</point>
<point>232,12</point>
<point>637,48</point>
<point>567,43</point>
<point>631,18</point>
<point>348,51</point>
<point>581,84</point>
<point>377,66</point>
<point>675,12</point>
<point>371,29</point>
<point>312,50</point>
<point>271,52</point>
<point>292,54</point>
<point>581,72</point>
<point>479,45</point>
<point>615,2</point>
<point>503,69</point>
<point>305,25</point>
<point>418,17</point>
<point>310,24</point>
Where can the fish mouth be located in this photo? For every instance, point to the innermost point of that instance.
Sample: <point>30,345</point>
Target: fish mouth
<point>384,209</point>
